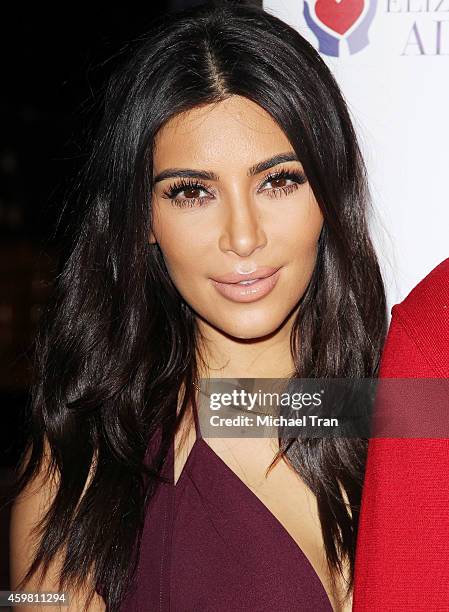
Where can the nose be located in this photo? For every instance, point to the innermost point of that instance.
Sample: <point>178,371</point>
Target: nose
<point>242,231</point>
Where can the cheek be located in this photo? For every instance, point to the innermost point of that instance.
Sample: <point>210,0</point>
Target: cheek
<point>183,252</point>
<point>299,229</point>
<point>299,235</point>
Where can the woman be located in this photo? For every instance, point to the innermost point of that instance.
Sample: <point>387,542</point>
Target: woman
<point>225,148</point>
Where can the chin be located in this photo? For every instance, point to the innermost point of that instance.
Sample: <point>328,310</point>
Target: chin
<point>252,329</point>
<point>255,323</point>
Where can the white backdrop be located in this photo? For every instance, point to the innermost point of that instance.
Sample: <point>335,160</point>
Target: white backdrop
<point>391,60</point>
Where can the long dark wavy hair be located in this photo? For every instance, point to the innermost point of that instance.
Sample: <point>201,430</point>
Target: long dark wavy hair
<point>117,342</point>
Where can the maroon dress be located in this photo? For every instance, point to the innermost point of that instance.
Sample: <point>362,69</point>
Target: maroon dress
<point>210,545</point>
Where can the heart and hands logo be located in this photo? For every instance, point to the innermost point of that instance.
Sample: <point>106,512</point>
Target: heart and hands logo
<point>335,20</point>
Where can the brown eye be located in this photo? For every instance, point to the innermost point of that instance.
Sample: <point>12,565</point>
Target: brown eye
<point>190,193</point>
<point>276,182</point>
<point>283,182</point>
<point>186,194</point>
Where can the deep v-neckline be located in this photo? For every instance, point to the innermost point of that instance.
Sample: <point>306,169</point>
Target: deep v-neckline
<point>201,443</point>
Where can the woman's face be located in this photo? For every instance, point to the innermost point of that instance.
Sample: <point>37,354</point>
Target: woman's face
<point>240,218</point>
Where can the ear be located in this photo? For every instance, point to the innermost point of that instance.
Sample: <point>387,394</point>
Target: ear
<point>151,238</point>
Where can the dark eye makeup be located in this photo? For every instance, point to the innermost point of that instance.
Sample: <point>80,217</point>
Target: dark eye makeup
<point>187,185</point>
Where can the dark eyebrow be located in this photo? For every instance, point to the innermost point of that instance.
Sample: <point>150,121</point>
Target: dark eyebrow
<point>272,161</point>
<point>212,176</point>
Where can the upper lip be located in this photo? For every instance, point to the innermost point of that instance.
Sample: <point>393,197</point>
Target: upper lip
<point>235,277</point>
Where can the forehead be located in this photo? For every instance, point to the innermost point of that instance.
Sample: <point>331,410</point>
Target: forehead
<point>235,130</point>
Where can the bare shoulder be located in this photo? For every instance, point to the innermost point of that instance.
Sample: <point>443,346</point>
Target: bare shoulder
<point>26,511</point>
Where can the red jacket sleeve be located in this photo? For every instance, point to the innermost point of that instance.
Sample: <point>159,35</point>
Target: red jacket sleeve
<point>402,555</point>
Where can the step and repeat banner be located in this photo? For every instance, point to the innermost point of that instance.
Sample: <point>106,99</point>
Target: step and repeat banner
<point>391,60</point>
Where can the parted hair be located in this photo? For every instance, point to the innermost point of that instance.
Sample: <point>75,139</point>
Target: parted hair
<point>117,341</point>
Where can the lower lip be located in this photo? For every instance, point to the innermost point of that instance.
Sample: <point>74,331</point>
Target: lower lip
<point>248,293</point>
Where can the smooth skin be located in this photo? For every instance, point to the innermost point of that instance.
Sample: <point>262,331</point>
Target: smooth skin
<point>27,509</point>
<point>237,222</point>
<point>205,229</point>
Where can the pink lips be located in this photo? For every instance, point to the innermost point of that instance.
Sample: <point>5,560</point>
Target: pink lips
<point>235,277</point>
<point>262,282</point>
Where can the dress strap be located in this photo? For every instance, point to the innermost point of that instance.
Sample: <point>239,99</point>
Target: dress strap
<point>166,548</point>
<point>197,420</point>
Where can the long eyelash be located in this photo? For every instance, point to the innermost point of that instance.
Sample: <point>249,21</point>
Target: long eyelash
<point>295,175</point>
<point>176,188</point>
<point>183,183</point>
<point>186,183</point>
